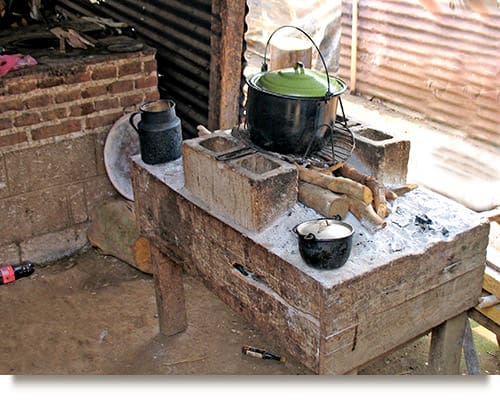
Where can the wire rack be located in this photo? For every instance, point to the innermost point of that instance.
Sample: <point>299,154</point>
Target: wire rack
<point>338,147</point>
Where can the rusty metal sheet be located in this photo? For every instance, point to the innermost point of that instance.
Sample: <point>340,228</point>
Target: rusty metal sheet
<point>446,66</point>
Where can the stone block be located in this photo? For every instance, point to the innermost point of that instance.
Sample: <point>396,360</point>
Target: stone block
<point>30,214</point>
<point>251,190</point>
<point>54,245</point>
<point>51,164</point>
<point>380,154</point>
<point>97,191</point>
<point>113,229</point>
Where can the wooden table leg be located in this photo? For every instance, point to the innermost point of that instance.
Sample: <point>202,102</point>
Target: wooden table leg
<point>446,346</point>
<point>470,353</point>
<point>169,290</point>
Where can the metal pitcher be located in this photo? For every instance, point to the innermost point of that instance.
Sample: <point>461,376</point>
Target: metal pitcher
<point>160,132</point>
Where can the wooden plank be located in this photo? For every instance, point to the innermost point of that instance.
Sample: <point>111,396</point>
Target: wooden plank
<point>169,293</point>
<point>484,321</point>
<point>383,331</point>
<point>390,288</point>
<point>446,346</point>
<point>491,281</point>
<point>492,313</point>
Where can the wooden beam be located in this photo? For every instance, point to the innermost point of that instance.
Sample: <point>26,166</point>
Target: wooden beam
<point>169,290</point>
<point>485,322</point>
<point>226,64</point>
<point>446,346</point>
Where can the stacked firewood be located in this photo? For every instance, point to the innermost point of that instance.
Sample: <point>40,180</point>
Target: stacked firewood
<point>342,188</point>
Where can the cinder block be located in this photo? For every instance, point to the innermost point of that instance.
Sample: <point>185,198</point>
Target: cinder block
<point>252,190</point>
<point>381,155</point>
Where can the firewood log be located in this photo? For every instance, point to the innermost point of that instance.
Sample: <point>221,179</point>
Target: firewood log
<point>324,201</point>
<point>336,184</point>
<point>377,188</point>
<point>379,200</point>
<point>390,195</point>
<point>73,38</point>
<point>366,215</point>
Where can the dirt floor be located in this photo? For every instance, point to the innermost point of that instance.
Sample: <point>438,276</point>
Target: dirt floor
<point>94,314</point>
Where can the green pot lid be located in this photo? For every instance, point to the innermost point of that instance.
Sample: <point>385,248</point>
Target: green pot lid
<point>297,81</point>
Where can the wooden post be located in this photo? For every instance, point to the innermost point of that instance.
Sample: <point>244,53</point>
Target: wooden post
<point>446,346</point>
<point>226,75</point>
<point>354,46</point>
<point>169,293</point>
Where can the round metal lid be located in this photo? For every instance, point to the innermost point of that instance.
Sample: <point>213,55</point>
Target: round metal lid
<point>298,81</point>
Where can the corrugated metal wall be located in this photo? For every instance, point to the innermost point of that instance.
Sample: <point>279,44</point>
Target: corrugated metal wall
<point>445,66</point>
<point>181,33</point>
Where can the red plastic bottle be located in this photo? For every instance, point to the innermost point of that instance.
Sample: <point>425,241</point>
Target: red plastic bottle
<point>10,273</point>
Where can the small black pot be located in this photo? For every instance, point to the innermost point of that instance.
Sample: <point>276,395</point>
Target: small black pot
<point>324,243</point>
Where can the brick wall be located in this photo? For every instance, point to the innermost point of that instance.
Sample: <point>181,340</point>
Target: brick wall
<point>54,120</point>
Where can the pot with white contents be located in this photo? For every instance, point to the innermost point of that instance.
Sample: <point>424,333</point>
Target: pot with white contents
<point>324,243</point>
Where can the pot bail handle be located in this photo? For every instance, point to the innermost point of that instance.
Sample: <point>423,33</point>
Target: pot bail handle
<point>264,66</point>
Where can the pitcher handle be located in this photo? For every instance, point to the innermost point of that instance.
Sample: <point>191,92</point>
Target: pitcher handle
<point>131,121</point>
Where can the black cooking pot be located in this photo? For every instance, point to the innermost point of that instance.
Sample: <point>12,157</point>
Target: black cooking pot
<point>290,111</point>
<point>324,243</point>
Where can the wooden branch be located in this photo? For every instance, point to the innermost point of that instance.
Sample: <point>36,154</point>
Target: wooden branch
<point>401,190</point>
<point>390,195</point>
<point>365,213</point>
<point>377,188</point>
<point>73,38</point>
<point>324,201</point>
<point>336,184</point>
<point>348,171</point>
<point>332,169</point>
<point>379,200</point>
